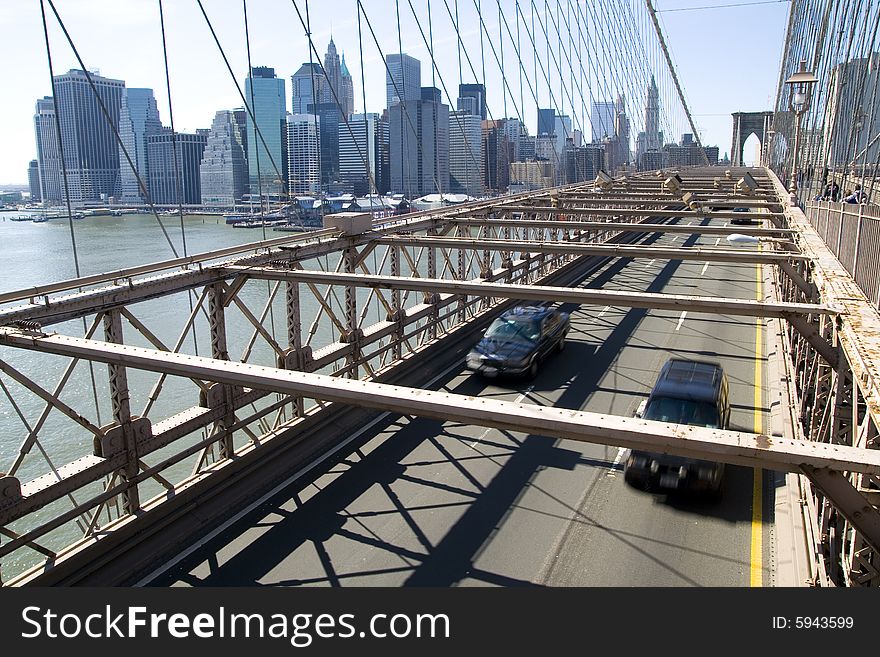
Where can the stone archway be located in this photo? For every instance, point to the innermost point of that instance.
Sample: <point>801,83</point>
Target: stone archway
<point>744,125</point>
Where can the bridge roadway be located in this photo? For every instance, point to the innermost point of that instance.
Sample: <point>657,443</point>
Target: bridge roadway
<point>426,503</point>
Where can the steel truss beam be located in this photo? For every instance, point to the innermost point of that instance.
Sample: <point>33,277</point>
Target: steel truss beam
<point>624,227</point>
<point>615,250</point>
<point>691,441</point>
<point>621,212</point>
<point>539,293</point>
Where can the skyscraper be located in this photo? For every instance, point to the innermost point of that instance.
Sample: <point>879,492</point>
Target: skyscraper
<point>34,181</point>
<point>652,118</point>
<point>419,138</point>
<point>183,185</point>
<point>91,153</point>
<point>329,119</point>
<point>363,154</point>
<point>266,98</point>
<point>48,156</point>
<point>546,122</point>
<point>346,90</point>
<point>601,120</point>
<point>138,119</point>
<point>304,165</point>
<point>496,150</point>
<point>338,88</point>
<point>301,87</point>
<point>478,93</point>
<point>465,154</point>
<point>223,171</point>
<point>621,129</point>
<point>403,79</point>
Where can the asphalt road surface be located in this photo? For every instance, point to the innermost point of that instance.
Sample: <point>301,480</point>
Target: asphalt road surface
<point>421,502</point>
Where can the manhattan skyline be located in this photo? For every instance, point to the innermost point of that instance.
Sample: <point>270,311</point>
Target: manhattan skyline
<point>200,85</point>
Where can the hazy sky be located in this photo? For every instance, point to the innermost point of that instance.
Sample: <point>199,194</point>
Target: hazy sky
<point>727,57</point>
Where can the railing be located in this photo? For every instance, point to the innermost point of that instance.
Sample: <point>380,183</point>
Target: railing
<point>852,233</point>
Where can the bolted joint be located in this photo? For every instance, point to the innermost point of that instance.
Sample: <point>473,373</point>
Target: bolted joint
<point>10,490</point>
<point>293,359</point>
<point>113,441</point>
<point>432,299</point>
<point>507,263</point>
<point>216,395</point>
<point>397,316</point>
<point>351,337</point>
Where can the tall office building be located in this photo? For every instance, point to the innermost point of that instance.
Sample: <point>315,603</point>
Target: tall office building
<point>267,164</point>
<point>419,145</point>
<point>514,130</point>
<point>183,185</point>
<point>403,79</point>
<point>546,122</point>
<point>563,132</point>
<point>621,129</point>
<point>652,118</point>
<point>496,151</point>
<point>304,165</point>
<point>602,114</point>
<point>339,87</point>
<point>48,155</point>
<point>34,181</point>
<point>363,154</point>
<point>307,87</point>
<point>329,120</point>
<point>138,119</point>
<point>465,154</point>
<point>91,153</point>
<point>223,171</point>
<point>478,93</point>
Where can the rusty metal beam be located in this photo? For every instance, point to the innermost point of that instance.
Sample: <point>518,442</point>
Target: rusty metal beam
<point>538,293</point>
<point>697,442</point>
<point>615,250</point>
<point>635,227</point>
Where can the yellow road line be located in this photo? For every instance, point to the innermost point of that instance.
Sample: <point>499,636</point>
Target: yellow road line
<point>756,576</point>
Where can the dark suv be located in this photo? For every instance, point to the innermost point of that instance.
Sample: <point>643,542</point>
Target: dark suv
<point>686,392</point>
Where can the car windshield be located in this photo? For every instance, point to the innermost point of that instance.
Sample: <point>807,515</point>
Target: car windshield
<point>682,411</point>
<point>514,329</point>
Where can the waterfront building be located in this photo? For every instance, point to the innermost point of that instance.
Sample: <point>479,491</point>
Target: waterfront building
<point>183,185</point>
<point>34,181</point>
<point>363,154</point>
<point>419,138</point>
<point>496,150</point>
<point>138,119</point>
<point>91,152</point>
<point>465,153</point>
<point>266,142</point>
<point>304,164</point>
<point>223,171</point>
<point>48,155</point>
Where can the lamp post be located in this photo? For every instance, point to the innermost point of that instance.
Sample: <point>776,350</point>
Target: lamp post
<point>801,84</point>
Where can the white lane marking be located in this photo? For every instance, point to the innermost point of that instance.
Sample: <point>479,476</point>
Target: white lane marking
<point>717,241</point>
<point>224,526</point>
<point>515,401</point>
<point>621,454</point>
<point>649,263</point>
<point>681,319</point>
<point>705,267</point>
<point>604,310</point>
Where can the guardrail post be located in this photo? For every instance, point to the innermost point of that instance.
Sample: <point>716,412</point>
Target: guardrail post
<point>294,333</point>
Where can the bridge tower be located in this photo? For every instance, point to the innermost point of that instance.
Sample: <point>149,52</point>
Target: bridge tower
<point>744,125</point>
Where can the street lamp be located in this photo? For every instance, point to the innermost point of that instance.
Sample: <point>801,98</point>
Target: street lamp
<point>801,84</point>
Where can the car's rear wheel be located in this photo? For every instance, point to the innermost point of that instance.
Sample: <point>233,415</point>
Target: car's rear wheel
<point>561,345</point>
